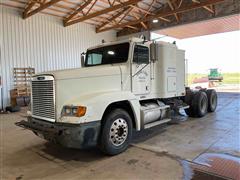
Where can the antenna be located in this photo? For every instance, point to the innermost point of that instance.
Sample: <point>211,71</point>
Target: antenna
<point>159,38</point>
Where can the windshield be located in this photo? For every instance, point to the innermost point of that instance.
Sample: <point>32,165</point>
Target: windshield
<point>107,55</point>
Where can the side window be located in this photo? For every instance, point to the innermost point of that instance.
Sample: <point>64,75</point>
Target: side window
<point>141,55</point>
<point>94,59</point>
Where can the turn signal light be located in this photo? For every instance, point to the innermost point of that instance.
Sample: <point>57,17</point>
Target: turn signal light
<point>81,111</point>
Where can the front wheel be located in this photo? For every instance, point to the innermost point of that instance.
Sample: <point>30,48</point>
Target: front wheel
<point>116,132</point>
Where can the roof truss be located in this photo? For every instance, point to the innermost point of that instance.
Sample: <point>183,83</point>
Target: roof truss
<point>27,13</point>
<point>121,12</point>
<point>101,12</point>
<point>164,13</point>
<point>79,9</point>
<point>135,15</point>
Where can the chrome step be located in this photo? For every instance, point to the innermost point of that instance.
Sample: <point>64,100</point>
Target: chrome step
<point>155,123</point>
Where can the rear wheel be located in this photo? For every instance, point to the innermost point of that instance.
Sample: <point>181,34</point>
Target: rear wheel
<point>116,132</point>
<point>200,104</point>
<point>212,100</point>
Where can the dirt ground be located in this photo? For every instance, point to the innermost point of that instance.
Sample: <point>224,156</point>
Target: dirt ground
<point>156,153</point>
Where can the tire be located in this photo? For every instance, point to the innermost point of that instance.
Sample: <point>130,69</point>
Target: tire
<point>116,132</point>
<point>200,104</point>
<point>212,100</point>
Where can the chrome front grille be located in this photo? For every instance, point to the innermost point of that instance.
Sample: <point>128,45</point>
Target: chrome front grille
<point>43,98</point>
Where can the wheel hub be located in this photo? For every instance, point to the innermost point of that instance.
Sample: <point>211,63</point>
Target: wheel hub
<point>118,132</point>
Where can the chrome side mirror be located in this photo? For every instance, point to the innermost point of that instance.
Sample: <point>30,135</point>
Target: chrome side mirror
<point>83,59</point>
<point>153,52</point>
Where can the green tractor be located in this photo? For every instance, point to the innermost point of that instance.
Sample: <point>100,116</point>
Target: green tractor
<point>215,75</point>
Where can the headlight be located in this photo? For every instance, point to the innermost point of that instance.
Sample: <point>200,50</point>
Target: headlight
<point>77,111</point>
<point>68,111</point>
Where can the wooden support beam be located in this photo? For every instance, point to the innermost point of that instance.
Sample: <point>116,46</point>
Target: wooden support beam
<point>40,8</point>
<point>133,27</point>
<point>106,3</point>
<point>125,14</point>
<point>28,8</point>
<point>182,9</point>
<point>79,9</point>
<point>91,7</point>
<point>146,12</point>
<point>172,8</point>
<point>149,8</point>
<point>209,9</point>
<point>111,3</point>
<point>142,23</point>
<point>164,19</point>
<point>140,9</point>
<point>112,18</point>
<point>101,12</point>
<point>180,4</point>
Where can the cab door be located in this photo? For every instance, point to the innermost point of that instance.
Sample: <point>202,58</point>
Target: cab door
<point>141,70</point>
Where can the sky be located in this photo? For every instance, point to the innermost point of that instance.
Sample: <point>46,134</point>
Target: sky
<point>212,51</point>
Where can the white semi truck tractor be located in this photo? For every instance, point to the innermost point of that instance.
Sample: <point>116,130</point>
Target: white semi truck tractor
<point>124,85</point>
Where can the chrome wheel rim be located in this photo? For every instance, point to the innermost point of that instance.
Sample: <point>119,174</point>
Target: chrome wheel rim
<point>118,132</point>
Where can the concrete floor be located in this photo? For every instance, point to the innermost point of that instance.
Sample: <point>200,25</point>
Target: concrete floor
<point>155,153</point>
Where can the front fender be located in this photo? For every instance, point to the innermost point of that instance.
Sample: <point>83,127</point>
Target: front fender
<point>97,103</point>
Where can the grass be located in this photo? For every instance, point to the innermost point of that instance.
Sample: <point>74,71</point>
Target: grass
<point>228,78</point>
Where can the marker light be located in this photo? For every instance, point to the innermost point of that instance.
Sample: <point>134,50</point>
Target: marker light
<point>81,111</point>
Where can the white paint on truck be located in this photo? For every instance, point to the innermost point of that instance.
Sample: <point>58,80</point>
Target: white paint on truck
<point>141,84</point>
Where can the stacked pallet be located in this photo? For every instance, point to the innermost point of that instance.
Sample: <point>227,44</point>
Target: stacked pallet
<point>21,92</point>
<point>22,78</point>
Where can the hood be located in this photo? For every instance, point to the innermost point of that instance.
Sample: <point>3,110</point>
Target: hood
<point>95,71</point>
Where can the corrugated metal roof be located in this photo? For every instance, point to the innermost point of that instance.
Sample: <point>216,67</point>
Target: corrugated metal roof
<point>214,26</point>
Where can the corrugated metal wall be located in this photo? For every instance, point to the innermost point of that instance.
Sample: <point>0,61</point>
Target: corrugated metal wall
<point>41,42</point>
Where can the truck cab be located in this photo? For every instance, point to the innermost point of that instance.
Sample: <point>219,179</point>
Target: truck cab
<point>124,85</point>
